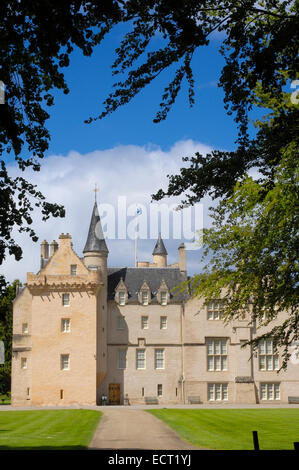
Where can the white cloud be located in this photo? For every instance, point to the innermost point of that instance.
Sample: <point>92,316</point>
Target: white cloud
<point>130,171</point>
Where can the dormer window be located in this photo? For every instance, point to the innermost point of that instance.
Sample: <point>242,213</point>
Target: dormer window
<point>144,294</point>
<point>122,298</point>
<point>144,297</point>
<point>163,293</point>
<point>121,293</point>
<point>163,298</point>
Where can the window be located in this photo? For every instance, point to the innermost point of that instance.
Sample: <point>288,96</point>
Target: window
<point>65,300</point>
<point>25,328</point>
<point>217,354</point>
<point>65,325</point>
<point>163,298</point>
<point>122,358</point>
<point>28,393</point>
<point>159,358</point>
<point>144,297</point>
<point>159,390</point>
<point>73,269</point>
<point>93,268</point>
<point>61,394</point>
<point>217,392</point>
<point>215,310</point>
<point>121,298</point>
<point>65,361</point>
<point>24,362</point>
<point>144,323</point>
<point>140,359</point>
<point>268,355</point>
<point>270,391</point>
<point>163,323</point>
<point>121,322</point>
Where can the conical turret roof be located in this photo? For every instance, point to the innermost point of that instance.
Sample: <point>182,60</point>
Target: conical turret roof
<point>95,239</point>
<point>160,247</point>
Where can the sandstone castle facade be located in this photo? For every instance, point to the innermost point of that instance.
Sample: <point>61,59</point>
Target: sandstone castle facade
<point>83,331</point>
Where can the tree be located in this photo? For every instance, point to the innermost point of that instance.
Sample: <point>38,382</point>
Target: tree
<point>37,39</point>
<point>254,266</point>
<point>255,225</point>
<point>6,307</point>
<point>260,48</point>
<point>261,39</point>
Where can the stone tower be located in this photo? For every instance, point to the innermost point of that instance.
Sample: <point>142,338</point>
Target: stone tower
<point>95,259</point>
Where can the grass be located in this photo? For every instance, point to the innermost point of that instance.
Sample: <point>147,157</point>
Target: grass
<point>232,429</point>
<point>47,429</point>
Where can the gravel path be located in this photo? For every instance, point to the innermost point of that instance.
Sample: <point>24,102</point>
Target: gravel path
<point>128,428</point>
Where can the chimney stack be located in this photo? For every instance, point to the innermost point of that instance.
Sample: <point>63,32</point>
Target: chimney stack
<point>44,249</point>
<point>182,259</point>
<point>44,252</point>
<point>53,247</point>
<point>65,239</point>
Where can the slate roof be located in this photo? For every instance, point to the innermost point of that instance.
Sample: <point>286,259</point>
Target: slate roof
<point>95,239</point>
<point>160,247</point>
<point>134,278</point>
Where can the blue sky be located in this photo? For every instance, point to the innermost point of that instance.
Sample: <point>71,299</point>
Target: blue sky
<point>126,154</point>
<point>90,80</point>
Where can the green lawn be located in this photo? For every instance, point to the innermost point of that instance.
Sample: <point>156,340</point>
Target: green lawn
<point>47,429</point>
<point>232,429</point>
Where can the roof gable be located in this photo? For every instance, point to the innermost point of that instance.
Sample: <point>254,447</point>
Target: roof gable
<point>61,260</point>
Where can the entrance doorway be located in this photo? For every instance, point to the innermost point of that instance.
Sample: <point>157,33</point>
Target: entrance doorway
<point>114,394</point>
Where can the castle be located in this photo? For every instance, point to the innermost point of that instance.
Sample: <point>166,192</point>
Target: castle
<point>84,333</point>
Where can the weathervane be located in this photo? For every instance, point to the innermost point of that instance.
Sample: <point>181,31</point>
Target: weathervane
<point>96,190</point>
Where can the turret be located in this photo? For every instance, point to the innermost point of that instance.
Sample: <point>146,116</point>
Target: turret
<point>160,254</point>
<point>95,250</point>
<point>95,257</point>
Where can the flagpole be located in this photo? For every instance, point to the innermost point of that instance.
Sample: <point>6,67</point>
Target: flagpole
<point>136,239</point>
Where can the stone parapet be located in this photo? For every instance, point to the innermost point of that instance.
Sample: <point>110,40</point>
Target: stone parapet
<point>91,282</point>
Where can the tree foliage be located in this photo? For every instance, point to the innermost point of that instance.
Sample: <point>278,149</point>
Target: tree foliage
<point>37,39</point>
<point>6,307</point>
<point>254,267</point>
<point>261,39</point>
<point>254,226</point>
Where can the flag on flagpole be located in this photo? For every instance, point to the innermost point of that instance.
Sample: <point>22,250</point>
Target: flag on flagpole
<point>138,212</point>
